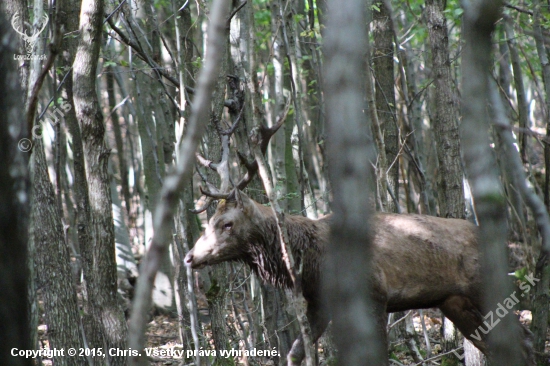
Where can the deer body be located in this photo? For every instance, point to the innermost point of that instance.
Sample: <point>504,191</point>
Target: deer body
<point>417,262</point>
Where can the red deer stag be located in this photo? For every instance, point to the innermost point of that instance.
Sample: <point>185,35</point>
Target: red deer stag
<point>418,262</point>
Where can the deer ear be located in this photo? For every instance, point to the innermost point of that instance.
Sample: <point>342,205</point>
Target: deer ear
<point>233,196</point>
<point>244,202</point>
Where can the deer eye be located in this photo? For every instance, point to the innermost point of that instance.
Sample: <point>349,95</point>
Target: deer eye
<point>228,226</point>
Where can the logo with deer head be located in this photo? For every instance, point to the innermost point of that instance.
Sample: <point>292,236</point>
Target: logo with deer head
<point>30,41</point>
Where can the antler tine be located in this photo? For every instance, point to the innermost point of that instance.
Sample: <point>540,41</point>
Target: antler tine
<point>204,207</point>
<point>215,194</point>
<point>262,135</point>
<point>222,168</point>
<point>212,193</point>
<point>203,161</point>
<point>267,132</point>
<point>232,129</point>
<point>251,169</point>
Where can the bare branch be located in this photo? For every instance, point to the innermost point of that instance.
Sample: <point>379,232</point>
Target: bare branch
<point>234,12</point>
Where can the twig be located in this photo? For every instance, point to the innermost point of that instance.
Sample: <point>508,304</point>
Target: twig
<point>33,99</point>
<point>234,12</point>
<point>114,11</point>
<point>399,320</point>
<point>521,10</point>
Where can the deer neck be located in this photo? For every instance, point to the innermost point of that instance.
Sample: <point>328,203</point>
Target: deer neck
<point>264,246</point>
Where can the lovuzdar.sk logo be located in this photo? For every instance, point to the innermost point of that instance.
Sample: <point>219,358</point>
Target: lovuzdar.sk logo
<point>30,41</point>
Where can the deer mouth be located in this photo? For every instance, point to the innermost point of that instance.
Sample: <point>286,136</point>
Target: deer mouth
<point>191,261</point>
<point>199,265</point>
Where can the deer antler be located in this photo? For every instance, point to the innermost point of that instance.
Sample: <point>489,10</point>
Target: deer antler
<point>222,168</point>
<point>265,134</point>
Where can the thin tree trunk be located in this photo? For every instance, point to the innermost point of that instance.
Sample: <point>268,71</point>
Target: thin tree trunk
<point>517,222</point>
<point>217,280</point>
<point>357,320</point>
<point>52,261</point>
<point>121,156</point>
<point>19,8</point>
<point>102,279</point>
<point>450,174</point>
<point>540,311</point>
<point>479,19</point>
<point>14,209</point>
<point>187,228</point>
<point>385,97</point>
<point>523,112</point>
<point>445,121</point>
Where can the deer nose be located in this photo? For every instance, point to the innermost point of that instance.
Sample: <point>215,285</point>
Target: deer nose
<point>188,259</point>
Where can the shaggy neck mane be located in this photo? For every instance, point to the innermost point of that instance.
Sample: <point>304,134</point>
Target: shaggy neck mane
<point>264,247</point>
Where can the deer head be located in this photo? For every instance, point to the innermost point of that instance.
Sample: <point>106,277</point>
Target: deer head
<point>227,232</point>
<point>30,41</point>
<point>225,237</point>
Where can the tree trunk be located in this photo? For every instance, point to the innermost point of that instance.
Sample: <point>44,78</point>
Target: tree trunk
<point>14,209</point>
<point>450,175</point>
<point>19,7</point>
<point>217,274</point>
<point>479,22</point>
<point>445,122</point>
<point>540,304</point>
<point>52,261</point>
<point>385,97</point>
<point>110,331</point>
<point>357,319</point>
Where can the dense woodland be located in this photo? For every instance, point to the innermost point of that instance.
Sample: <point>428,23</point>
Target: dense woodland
<point>116,117</point>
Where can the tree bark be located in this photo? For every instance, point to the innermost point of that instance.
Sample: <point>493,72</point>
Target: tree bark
<point>19,7</point>
<point>385,97</point>
<point>217,280</point>
<point>52,261</point>
<point>110,328</point>
<point>450,174</point>
<point>357,319</point>
<point>14,209</point>
<point>479,19</point>
<point>540,311</point>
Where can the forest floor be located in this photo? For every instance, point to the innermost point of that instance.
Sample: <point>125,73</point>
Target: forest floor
<point>162,335</point>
